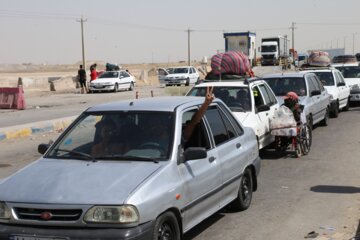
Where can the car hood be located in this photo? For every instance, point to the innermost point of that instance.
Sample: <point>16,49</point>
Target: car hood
<point>352,81</point>
<point>103,80</point>
<point>76,182</point>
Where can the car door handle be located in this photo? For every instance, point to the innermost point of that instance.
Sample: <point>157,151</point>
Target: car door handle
<point>238,145</point>
<point>212,158</point>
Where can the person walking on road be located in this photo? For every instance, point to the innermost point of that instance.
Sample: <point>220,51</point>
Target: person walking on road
<point>82,79</point>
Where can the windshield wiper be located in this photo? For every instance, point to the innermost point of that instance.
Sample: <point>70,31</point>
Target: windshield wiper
<point>87,156</point>
<point>125,157</point>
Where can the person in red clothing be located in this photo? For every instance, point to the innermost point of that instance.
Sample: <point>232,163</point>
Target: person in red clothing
<point>93,73</point>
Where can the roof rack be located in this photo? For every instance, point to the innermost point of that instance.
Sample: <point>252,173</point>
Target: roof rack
<point>315,68</point>
<point>246,79</point>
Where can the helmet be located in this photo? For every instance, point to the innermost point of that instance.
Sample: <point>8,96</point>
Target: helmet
<point>292,96</point>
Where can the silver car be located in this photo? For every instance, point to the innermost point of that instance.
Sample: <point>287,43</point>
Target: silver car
<point>124,171</point>
<point>310,90</point>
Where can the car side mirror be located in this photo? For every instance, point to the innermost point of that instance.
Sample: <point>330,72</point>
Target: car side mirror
<point>263,108</point>
<point>193,153</point>
<point>315,93</point>
<point>43,147</point>
<point>341,84</point>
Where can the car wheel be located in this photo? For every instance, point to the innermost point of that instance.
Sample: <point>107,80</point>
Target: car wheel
<point>131,88</point>
<point>310,122</point>
<point>187,82</point>
<point>335,113</point>
<point>116,87</point>
<point>346,108</point>
<point>166,227</point>
<point>244,196</point>
<point>325,121</point>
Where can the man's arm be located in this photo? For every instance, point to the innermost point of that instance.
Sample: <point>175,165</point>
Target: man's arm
<point>189,128</point>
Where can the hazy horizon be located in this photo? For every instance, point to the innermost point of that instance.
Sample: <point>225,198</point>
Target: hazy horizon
<point>138,31</point>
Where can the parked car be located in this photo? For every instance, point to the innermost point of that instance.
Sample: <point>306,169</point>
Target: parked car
<point>252,101</point>
<point>351,73</point>
<point>335,85</point>
<point>150,186</point>
<point>113,81</point>
<point>345,59</point>
<point>179,75</point>
<point>310,90</point>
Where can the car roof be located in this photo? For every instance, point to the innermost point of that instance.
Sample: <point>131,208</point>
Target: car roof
<point>166,104</point>
<point>286,74</point>
<point>327,69</point>
<point>344,64</point>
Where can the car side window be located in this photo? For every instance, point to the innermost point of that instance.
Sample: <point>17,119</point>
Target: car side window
<point>337,79</point>
<point>265,94</point>
<point>217,126</point>
<point>235,124</point>
<point>258,99</point>
<point>199,137</point>
<point>341,79</point>
<point>311,85</point>
<point>319,86</point>
<point>125,74</point>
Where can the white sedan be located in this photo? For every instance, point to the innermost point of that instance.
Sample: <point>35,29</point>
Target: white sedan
<point>113,81</point>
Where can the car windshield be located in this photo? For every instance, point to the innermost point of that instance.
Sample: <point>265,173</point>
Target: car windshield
<point>301,58</point>
<point>238,99</point>
<point>117,136</point>
<point>180,70</point>
<point>283,85</point>
<point>350,71</point>
<point>326,78</point>
<point>268,48</point>
<point>109,75</point>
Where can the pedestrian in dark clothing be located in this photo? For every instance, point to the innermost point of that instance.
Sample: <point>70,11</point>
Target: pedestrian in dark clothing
<point>82,79</point>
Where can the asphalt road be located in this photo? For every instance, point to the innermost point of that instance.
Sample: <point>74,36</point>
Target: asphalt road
<point>319,192</point>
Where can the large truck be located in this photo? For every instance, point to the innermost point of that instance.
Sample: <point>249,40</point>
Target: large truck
<point>242,41</point>
<point>275,51</point>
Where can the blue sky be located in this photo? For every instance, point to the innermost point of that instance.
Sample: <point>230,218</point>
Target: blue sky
<point>138,31</point>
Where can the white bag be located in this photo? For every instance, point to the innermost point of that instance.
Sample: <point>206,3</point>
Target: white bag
<point>283,118</point>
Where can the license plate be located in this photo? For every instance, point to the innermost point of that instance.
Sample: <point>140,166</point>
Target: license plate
<point>24,237</point>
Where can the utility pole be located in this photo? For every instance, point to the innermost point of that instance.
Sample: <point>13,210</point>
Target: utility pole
<point>293,30</point>
<point>81,20</point>
<point>354,43</point>
<point>189,52</point>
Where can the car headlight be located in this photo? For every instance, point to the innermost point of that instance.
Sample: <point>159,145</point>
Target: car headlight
<point>112,214</point>
<point>4,211</point>
<point>355,87</point>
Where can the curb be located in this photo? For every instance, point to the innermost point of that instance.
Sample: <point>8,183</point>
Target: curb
<point>27,130</point>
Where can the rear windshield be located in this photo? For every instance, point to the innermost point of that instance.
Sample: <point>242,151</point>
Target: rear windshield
<point>238,99</point>
<point>109,75</point>
<point>180,70</point>
<point>326,78</point>
<point>281,86</point>
<point>350,71</point>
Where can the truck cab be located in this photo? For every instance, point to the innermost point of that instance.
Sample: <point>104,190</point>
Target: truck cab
<point>269,53</point>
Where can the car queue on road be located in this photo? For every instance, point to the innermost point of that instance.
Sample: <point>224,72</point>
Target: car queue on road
<point>129,169</point>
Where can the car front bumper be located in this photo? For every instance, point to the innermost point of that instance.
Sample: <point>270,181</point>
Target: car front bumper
<point>141,232</point>
<point>102,87</point>
<point>355,97</point>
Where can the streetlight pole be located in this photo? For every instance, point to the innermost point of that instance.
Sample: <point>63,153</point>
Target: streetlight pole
<point>189,50</point>
<point>82,39</point>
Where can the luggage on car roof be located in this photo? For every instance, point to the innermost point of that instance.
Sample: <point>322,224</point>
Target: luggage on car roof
<point>112,67</point>
<point>231,62</point>
<point>319,59</point>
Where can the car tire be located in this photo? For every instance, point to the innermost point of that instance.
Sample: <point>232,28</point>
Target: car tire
<point>187,82</point>
<point>310,122</point>
<point>335,113</point>
<point>166,227</point>
<point>131,88</point>
<point>347,107</point>
<point>116,87</point>
<point>244,196</point>
<point>325,121</point>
